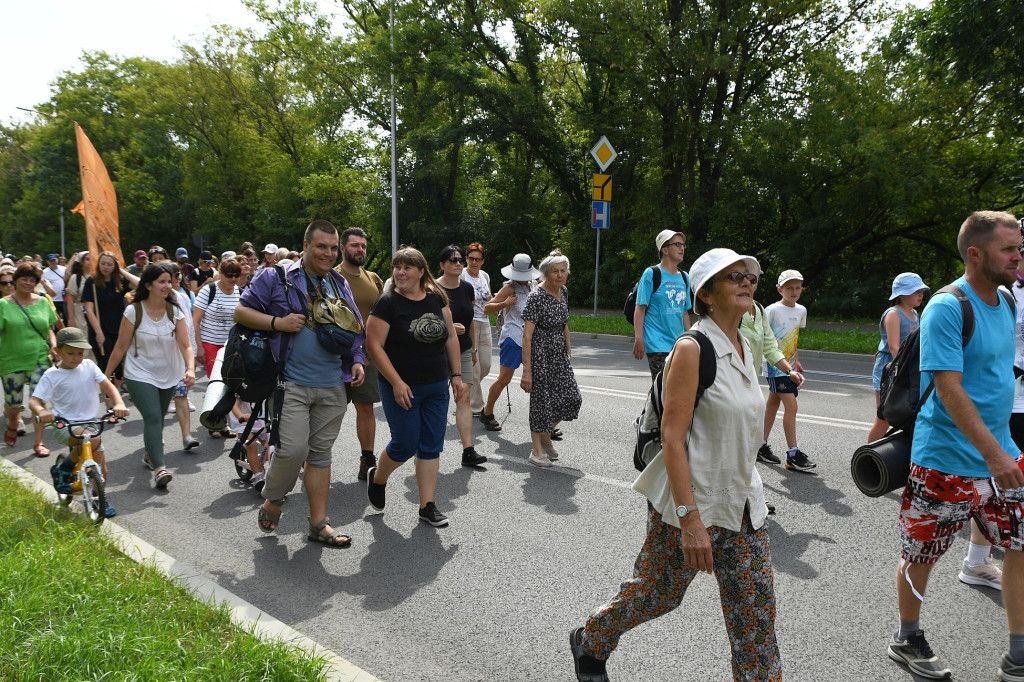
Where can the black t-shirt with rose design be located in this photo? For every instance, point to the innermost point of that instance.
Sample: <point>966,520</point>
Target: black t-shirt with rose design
<point>416,340</point>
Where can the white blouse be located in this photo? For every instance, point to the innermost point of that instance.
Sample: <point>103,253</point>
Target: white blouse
<point>721,444</point>
<point>159,361</point>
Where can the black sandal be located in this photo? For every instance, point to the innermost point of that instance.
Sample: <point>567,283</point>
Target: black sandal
<point>335,539</point>
<point>557,434</point>
<point>489,422</point>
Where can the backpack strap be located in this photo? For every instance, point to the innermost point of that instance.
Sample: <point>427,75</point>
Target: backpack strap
<point>212,286</point>
<point>706,373</point>
<point>168,309</point>
<point>655,278</point>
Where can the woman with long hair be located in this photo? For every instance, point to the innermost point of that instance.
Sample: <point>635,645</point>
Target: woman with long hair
<point>547,359</point>
<point>412,339</point>
<point>154,343</point>
<point>103,298</point>
<point>27,345</point>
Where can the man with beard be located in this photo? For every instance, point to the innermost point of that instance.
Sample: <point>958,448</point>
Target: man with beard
<point>366,289</point>
<point>964,464</point>
<point>314,400</point>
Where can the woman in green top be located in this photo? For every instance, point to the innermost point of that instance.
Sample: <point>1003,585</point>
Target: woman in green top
<point>27,347</point>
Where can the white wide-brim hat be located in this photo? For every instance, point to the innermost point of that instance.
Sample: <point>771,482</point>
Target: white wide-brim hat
<point>521,269</point>
<point>714,261</point>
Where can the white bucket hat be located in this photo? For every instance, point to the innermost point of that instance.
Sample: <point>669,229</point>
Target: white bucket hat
<point>907,283</point>
<point>521,269</point>
<point>713,262</point>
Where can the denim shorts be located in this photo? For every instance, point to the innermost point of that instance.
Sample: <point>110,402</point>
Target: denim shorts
<point>511,354</point>
<point>418,431</point>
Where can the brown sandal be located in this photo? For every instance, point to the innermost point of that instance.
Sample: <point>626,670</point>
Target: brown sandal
<point>267,517</point>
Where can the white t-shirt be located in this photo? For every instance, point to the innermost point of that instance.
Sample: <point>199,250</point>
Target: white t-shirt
<point>218,317</point>
<point>785,322</point>
<point>56,280</point>
<point>185,303</point>
<point>159,360</point>
<point>482,288</point>
<point>72,393</point>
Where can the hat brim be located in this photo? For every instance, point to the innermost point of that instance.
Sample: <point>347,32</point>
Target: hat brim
<point>84,345</point>
<point>751,263</point>
<point>518,275</point>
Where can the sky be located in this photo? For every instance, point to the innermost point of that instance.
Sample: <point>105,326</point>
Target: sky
<point>40,39</point>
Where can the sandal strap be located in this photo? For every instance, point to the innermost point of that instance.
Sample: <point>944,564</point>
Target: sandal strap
<point>320,526</point>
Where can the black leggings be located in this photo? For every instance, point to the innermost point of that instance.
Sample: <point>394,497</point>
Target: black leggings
<point>1017,429</point>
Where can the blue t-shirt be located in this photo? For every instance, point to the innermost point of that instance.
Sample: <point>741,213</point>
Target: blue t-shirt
<point>308,363</point>
<point>987,367</point>
<point>664,320</point>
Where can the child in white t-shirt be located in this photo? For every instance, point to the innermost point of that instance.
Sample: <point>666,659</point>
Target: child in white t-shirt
<point>70,389</point>
<point>786,318</point>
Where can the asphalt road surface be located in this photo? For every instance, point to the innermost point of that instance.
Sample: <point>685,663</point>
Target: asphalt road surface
<point>530,552</point>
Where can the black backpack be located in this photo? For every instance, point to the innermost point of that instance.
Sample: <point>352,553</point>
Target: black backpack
<point>249,368</point>
<point>629,309</point>
<point>648,424</point>
<point>900,397</point>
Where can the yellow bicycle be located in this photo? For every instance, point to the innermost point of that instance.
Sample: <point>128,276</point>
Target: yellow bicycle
<point>86,479</point>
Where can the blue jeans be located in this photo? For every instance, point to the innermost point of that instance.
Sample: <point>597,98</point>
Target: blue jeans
<point>418,431</point>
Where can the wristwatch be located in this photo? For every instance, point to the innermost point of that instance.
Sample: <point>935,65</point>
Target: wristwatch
<point>682,511</point>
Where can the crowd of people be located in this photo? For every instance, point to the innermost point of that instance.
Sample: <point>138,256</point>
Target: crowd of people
<point>420,345</point>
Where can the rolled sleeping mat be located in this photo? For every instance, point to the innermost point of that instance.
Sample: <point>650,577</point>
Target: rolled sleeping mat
<point>883,465</point>
<point>218,401</point>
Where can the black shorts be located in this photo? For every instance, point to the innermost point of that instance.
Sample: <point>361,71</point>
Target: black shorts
<point>782,385</point>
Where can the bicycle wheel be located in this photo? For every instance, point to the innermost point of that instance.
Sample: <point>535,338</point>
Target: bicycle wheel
<point>243,472</point>
<point>93,496</point>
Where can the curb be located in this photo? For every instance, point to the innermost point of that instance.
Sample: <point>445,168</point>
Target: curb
<point>243,614</point>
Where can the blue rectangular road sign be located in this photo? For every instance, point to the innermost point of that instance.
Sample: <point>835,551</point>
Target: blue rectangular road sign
<point>601,215</point>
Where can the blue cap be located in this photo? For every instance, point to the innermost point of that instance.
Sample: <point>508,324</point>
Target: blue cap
<point>182,252</point>
<point>51,256</point>
<point>907,283</point>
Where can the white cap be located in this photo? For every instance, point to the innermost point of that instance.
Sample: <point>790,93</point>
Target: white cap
<point>270,248</point>
<point>713,262</point>
<point>788,275</point>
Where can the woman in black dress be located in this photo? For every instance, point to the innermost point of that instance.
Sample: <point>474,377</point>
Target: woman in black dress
<point>103,298</point>
<point>547,365</point>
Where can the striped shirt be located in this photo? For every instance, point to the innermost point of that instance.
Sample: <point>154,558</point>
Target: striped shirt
<point>218,316</point>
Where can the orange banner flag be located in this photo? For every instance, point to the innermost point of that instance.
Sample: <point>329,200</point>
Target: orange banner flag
<point>79,208</point>
<point>101,224</point>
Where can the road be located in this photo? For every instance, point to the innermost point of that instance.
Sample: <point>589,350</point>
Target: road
<point>530,551</point>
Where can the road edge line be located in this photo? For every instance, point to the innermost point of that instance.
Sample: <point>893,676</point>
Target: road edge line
<point>245,616</point>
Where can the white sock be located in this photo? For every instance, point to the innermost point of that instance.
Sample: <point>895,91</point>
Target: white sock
<point>977,554</point>
<point>792,451</point>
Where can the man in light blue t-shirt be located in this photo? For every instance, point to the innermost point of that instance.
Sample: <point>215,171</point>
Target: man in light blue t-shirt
<point>661,312</point>
<point>964,465</point>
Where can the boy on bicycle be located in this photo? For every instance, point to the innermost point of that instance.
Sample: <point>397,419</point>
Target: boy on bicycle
<point>70,388</point>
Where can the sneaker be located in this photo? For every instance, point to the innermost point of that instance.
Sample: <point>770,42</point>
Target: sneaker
<point>109,512</point>
<point>1010,671</point>
<point>471,458</point>
<point>171,409</point>
<point>915,653</point>
<point>161,477</point>
<point>431,515</point>
<point>147,461</point>
<point>799,462</point>
<point>588,668</point>
<point>61,477</point>
<point>366,462</point>
<point>375,492</point>
<point>191,407</point>
<point>540,460</point>
<point>765,454</point>
<point>189,442</point>
<point>771,508</point>
<point>259,479</point>
<point>987,574</point>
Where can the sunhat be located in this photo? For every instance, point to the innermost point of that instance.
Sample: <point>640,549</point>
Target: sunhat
<point>907,283</point>
<point>521,269</point>
<point>714,261</point>
<point>788,275</point>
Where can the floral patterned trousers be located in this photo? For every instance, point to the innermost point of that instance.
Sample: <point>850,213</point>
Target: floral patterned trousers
<point>743,568</point>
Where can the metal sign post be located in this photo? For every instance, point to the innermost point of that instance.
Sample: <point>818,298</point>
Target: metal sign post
<point>601,209</point>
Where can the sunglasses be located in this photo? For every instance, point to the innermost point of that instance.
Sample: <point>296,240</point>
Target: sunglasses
<point>230,276</point>
<point>738,277</point>
<point>6,282</point>
<point>460,261</point>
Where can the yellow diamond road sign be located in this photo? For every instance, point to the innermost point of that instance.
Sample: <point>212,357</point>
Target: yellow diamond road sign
<point>603,153</point>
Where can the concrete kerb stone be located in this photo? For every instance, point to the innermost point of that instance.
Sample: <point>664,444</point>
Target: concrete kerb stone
<point>245,615</point>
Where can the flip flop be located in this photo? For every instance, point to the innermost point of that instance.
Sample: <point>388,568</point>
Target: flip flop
<point>334,540</point>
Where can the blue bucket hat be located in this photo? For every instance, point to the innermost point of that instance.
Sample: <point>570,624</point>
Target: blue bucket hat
<point>907,283</point>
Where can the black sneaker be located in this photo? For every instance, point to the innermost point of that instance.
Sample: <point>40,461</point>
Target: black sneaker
<point>588,668</point>
<point>431,515</point>
<point>471,458</point>
<point>61,477</point>
<point>366,462</point>
<point>765,454</point>
<point>915,653</point>
<point>374,492</point>
<point>771,508</point>
<point>798,462</point>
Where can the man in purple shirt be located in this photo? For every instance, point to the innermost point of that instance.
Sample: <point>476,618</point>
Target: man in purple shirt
<point>314,398</point>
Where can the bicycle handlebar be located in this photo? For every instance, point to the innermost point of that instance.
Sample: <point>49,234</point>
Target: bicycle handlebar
<point>99,423</point>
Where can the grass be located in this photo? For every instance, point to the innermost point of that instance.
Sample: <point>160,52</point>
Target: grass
<point>814,337</point>
<point>74,608</point>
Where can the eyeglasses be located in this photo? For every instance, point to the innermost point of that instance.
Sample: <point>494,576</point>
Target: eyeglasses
<point>681,245</point>
<point>474,259</point>
<point>460,261</point>
<point>6,283</point>
<point>738,277</point>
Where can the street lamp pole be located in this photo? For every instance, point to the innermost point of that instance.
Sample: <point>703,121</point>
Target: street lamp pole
<point>394,134</point>
<point>53,117</point>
